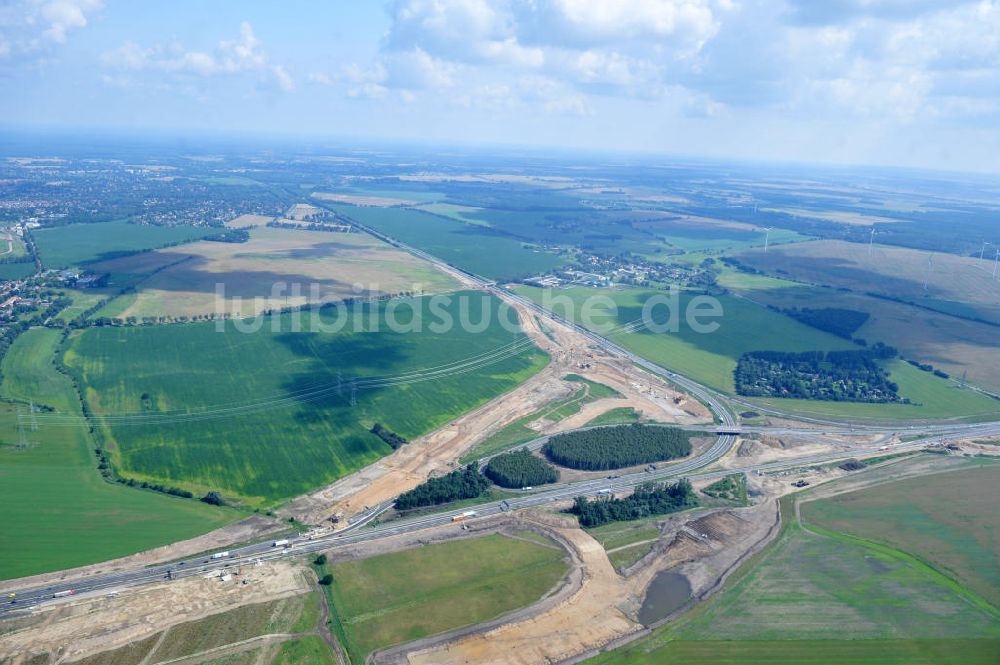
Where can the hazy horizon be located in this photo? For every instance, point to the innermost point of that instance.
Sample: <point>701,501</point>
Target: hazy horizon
<point>882,83</point>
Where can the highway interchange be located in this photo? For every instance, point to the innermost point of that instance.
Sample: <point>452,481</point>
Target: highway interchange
<point>363,529</point>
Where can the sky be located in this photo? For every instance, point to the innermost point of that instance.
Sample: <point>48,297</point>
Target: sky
<point>912,83</point>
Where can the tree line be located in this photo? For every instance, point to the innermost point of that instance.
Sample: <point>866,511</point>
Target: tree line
<point>520,469</point>
<point>393,440</point>
<point>465,483</point>
<point>647,500</point>
<point>616,447</point>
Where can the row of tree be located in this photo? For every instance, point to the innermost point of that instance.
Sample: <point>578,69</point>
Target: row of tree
<point>647,500</point>
<point>465,483</point>
<point>520,469</point>
<point>616,447</point>
<point>391,438</point>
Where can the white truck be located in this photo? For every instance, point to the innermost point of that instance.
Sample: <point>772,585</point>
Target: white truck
<point>220,555</point>
<point>280,543</point>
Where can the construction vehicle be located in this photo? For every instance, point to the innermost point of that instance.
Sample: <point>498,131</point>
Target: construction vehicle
<point>467,514</point>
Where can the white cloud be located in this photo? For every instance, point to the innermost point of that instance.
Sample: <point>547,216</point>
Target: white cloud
<point>28,27</point>
<point>230,57</point>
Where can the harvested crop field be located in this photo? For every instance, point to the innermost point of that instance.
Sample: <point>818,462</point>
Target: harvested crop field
<point>275,268</point>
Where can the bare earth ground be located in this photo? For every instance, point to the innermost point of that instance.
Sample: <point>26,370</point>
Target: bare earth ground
<point>100,622</point>
<point>252,528</point>
<point>437,452</point>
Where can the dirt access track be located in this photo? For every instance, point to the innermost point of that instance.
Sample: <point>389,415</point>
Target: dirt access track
<point>437,453</point>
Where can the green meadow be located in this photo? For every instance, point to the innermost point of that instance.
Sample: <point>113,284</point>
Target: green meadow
<point>264,416</point>
<point>396,598</point>
<point>57,510</point>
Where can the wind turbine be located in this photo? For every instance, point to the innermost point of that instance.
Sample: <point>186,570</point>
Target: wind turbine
<point>983,249</point>
<point>927,275</point>
<point>996,260</point>
<point>767,236</point>
<point>871,242</point>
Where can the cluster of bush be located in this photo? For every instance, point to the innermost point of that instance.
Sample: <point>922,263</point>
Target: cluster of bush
<point>838,376</point>
<point>230,235</point>
<point>465,483</point>
<point>391,438</point>
<point>616,447</point>
<point>520,469</point>
<point>647,500</point>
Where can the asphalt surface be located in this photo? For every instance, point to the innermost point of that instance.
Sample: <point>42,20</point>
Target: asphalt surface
<point>360,532</point>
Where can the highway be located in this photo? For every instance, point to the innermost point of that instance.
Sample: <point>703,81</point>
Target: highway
<point>300,545</point>
<point>358,532</point>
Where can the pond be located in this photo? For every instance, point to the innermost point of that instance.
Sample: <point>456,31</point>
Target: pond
<point>666,593</point>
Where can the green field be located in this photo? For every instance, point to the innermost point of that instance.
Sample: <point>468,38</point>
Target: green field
<point>259,415</point>
<point>708,358</point>
<point>747,326</point>
<point>811,652</point>
<point>622,415</point>
<point>396,598</point>
<point>58,511</point>
<point>76,244</point>
<point>16,270</point>
<point>945,519</point>
<point>467,246</point>
<point>816,597</point>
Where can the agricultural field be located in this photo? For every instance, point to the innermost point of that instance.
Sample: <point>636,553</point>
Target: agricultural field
<point>957,346</point>
<point>78,244</point>
<point>226,635</point>
<point>745,326</point>
<point>266,415</point>
<point>51,488</point>
<point>466,246</point>
<point>184,281</point>
<point>396,598</point>
<point>958,285</point>
<point>944,519</point>
<point>16,270</point>
<point>814,596</point>
<point>710,357</point>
